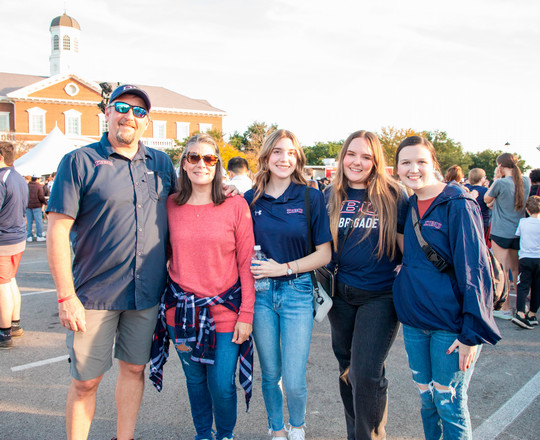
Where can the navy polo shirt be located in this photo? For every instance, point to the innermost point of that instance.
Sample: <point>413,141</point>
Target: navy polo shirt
<point>280,225</point>
<point>13,202</point>
<point>120,231</point>
<point>359,265</point>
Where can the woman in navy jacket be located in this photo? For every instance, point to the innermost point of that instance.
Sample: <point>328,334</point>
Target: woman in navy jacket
<point>446,316</point>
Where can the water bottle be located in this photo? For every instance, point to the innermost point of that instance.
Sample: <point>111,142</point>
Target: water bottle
<point>262,283</point>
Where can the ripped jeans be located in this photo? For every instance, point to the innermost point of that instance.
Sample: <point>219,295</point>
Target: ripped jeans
<point>445,414</point>
<point>212,388</point>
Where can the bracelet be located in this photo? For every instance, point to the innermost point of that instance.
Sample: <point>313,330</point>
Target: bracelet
<point>65,298</point>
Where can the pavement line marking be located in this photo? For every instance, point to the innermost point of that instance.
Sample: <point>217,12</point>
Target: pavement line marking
<point>37,293</point>
<point>40,363</point>
<point>510,411</point>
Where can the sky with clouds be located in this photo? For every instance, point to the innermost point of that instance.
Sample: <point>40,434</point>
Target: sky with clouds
<point>321,69</point>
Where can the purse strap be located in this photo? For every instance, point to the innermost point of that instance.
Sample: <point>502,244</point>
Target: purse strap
<point>432,255</point>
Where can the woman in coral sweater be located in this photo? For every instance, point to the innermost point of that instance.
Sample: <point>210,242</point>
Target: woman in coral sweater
<point>211,241</point>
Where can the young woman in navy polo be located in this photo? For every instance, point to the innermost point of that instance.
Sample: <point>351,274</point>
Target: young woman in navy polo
<point>367,211</point>
<point>446,316</point>
<point>283,318</point>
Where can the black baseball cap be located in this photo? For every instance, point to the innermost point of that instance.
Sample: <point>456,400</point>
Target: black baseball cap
<point>128,89</point>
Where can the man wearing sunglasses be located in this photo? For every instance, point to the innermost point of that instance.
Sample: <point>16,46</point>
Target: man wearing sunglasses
<point>109,200</point>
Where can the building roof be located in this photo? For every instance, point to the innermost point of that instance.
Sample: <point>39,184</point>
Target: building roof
<point>162,99</point>
<point>10,82</point>
<point>65,20</point>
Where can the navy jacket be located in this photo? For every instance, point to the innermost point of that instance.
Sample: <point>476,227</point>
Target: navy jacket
<point>430,300</point>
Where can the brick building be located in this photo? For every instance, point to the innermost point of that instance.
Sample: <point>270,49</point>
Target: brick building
<point>31,106</point>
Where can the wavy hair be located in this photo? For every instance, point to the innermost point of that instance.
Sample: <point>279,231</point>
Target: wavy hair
<point>184,184</point>
<point>508,160</point>
<point>263,174</point>
<point>382,192</point>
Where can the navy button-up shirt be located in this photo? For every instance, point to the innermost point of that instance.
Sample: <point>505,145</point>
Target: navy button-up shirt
<point>119,236</point>
<point>280,225</point>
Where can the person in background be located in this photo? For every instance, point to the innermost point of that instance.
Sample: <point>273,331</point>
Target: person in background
<point>211,242</point>
<point>454,173</point>
<point>283,319</point>
<point>13,200</point>
<point>34,211</point>
<point>309,177</point>
<point>529,265</point>
<point>365,200</point>
<point>446,315</point>
<point>238,170</point>
<point>477,177</point>
<point>507,197</point>
<point>534,176</point>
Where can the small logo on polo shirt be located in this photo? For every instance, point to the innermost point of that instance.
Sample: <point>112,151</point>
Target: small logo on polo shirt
<point>433,224</point>
<point>103,162</point>
<point>259,212</point>
<point>295,211</point>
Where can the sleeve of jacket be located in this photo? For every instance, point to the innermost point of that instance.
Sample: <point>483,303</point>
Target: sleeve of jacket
<point>472,271</point>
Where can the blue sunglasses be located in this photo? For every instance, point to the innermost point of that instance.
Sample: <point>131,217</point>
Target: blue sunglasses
<point>122,107</point>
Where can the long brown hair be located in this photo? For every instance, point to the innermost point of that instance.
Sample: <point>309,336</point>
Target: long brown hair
<point>508,160</point>
<point>263,174</point>
<point>184,184</point>
<point>382,192</point>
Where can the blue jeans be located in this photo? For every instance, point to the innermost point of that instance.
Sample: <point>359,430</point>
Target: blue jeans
<point>444,413</point>
<point>364,326</point>
<point>211,388</point>
<point>282,326</point>
<point>31,215</point>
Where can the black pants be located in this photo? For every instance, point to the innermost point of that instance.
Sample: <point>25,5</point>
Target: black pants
<point>529,279</point>
<point>364,326</point>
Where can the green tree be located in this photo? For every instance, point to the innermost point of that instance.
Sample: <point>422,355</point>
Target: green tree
<point>322,150</point>
<point>487,160</point>
<point>391,137</point>
<point>449,152</point>
<point>255,135</point>
<point>238,141</point>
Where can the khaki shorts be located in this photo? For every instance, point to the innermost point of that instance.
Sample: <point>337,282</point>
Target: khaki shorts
<point>90,353</point>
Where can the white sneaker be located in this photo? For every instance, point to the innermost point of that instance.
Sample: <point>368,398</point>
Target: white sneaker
<point>297,433</point>
<point>41,239</point>
<point>29,239</point>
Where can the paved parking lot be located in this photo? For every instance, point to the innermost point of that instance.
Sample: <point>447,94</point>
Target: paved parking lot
<point>504,393</point>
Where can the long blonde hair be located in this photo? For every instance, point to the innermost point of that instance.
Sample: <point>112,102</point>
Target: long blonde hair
<point>508,160</point>
<point>263,174</point>
<point>382,192</point>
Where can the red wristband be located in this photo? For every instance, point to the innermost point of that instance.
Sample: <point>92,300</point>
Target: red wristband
<point>65,298</point>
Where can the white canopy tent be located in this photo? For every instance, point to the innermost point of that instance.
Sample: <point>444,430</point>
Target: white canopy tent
<point>47,154</point>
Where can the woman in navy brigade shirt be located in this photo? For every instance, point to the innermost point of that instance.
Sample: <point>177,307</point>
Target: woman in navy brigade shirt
<point>367,212</point>
<point>283,318</point>
<point>447,315</point>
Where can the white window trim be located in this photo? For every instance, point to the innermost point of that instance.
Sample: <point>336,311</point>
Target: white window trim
<point>7,114</point>
<point>102,121</point>
<point>36,111</point>
<point>181,129</point>
<point>72,89</point>
<point>72,114</point>
<point>157,127</point>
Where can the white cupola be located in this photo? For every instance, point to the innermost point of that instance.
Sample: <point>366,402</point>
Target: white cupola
<point>65,36</point>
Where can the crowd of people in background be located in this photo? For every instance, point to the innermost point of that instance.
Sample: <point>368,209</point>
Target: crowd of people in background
<point>175,252</point>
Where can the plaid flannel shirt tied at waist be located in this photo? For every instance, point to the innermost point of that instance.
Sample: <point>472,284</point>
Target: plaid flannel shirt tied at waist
<point>186,331</point>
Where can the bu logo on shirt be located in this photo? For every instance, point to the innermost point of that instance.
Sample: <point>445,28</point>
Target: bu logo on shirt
<point>366,219</point>
<point>103,162</point>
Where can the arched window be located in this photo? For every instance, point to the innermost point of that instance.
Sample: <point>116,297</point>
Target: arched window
<point>66,42</point>
<point>56,42</point>
<point>76,45</point>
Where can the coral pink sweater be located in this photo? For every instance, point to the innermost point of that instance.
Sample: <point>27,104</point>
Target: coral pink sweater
<point>211,248</point>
